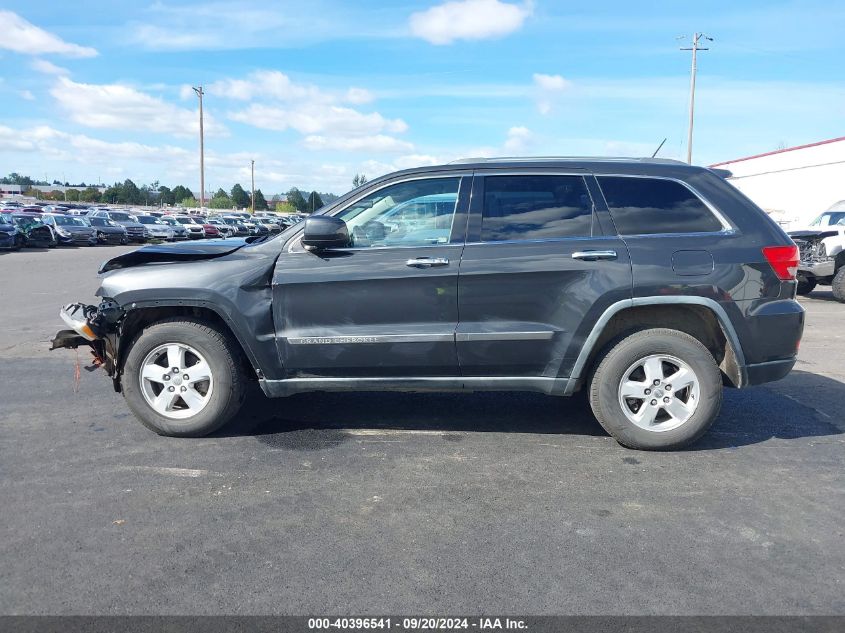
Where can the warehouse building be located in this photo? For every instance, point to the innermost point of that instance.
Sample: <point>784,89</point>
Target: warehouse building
<point>795,184</point>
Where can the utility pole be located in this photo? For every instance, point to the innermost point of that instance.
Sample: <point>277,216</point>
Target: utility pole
<point>199,92</point>
<point>252,194</point>
<point>696,38</point>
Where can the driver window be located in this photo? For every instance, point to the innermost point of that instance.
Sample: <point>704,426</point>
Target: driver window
<point>412,213</point>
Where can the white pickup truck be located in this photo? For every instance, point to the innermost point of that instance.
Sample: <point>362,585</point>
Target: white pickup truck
<point>822,246</point>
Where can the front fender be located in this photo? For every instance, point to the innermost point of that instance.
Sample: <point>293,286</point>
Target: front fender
<point>236,288</point>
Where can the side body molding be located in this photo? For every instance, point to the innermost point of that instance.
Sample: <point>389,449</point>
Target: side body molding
<point>595,333</point>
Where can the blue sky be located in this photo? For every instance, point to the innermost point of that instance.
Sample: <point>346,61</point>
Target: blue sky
<point>317,91</point>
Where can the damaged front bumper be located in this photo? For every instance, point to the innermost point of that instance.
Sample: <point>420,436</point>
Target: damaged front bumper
<point>98,327</point>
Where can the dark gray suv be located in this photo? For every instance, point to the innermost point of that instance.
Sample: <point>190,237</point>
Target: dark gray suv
<point>649,283</point>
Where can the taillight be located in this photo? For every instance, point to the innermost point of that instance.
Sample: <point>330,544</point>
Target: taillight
<point>783,260</point>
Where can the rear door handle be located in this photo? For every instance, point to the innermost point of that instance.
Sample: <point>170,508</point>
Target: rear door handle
<point>591,256</point>
<point>427,262</point>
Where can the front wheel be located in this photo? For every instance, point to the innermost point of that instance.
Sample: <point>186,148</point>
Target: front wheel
<point>656,389</point>
<point>183,378</point>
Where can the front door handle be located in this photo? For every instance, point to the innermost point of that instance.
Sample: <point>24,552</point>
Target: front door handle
<point>591,256</point>
<point>427,262</point>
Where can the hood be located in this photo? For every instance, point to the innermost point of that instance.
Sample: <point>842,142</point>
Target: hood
<point>8,228</point>
<point>128,223</point>
<point>76,229</point>
<point>807,235</point>
<point>188,252</point>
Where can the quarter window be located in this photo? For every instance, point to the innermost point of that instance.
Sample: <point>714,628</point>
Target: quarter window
<point>535,208</point>
<point>412,213</point>
<point>651,205</point>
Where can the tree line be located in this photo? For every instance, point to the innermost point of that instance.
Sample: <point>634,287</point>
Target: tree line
<point>154,193</point>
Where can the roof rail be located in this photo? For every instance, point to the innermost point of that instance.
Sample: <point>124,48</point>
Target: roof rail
<point>598,159</point>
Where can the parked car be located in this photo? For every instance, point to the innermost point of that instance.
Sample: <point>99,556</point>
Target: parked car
<point>211,231</point>
<point>224,229</point>
<point>136,231</point>
<point>108,232</point>
<point>179,230</point>
<point>241,229</point>
<point>648,283</point>
<point>36,234</point>
<point>11,236</point>
<point>194,229</point>
<point>156,228</point>
<point>822,247</point>
<point>70,230</point>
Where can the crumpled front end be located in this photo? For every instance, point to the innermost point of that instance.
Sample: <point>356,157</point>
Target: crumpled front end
<point>98,327</point>
<point>815,261</point>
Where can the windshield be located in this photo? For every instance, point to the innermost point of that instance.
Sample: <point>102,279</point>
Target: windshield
<point>184,220</point>
<point>26,220</point>
<point>66,220</point>
<point>5,218</point>
<point>828,218</point>
<point>122,217</point>
<point>149,219</point>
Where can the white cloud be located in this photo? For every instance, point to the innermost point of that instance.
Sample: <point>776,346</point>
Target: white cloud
<point>376,143</point>
<point>122,107</point>
<point>548,88</point>
<point>417,160</point>
<point>468,20</point>
<point>551,82</point>
<point>53,143</point>
<point>358,96</point>
<point>26,94</point>
<point>47,68</point>
<point>24,37</point>
<point>267,84</point>
<point>317,119</point>
<point>277,86</point>
<point>186,92</point>
<point>519,139</point>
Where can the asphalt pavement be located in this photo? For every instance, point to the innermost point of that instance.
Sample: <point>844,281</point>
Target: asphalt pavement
<point>406,503</point>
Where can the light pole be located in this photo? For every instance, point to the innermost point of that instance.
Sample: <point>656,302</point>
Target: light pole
<point>252,191</point>
<point>696,38</point>
<point>199,92</point>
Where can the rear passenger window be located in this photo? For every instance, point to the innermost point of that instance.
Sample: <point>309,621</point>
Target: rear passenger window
<point>535,208</point>
<point>651,205</point>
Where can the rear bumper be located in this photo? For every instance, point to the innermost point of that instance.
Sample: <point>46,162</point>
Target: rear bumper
<point>769,372</point>
<point>772,336</point>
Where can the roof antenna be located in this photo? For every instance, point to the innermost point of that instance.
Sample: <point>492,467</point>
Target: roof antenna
<point>658,148</point>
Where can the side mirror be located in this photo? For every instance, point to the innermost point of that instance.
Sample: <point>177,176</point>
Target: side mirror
<point>324,232</point>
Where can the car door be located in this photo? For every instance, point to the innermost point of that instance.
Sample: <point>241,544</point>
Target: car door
<point>540,266</point>
<point>387,305</point>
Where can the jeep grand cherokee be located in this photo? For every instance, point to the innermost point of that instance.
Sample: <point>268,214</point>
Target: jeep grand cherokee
<point>649,283</point>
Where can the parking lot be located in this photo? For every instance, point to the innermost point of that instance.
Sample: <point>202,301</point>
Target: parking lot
<point>406,503</point>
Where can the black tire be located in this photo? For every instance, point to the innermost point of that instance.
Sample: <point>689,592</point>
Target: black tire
<point>224,358</point>
<point>605,381</point>
<point>806,286</point>
<point>19,243</point>
<point>837,285</point>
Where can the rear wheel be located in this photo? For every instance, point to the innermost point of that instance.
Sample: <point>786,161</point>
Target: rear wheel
<point>806,286</point>
<point>183,378</point>
<point>838,284</point>
<point>656,389</point>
